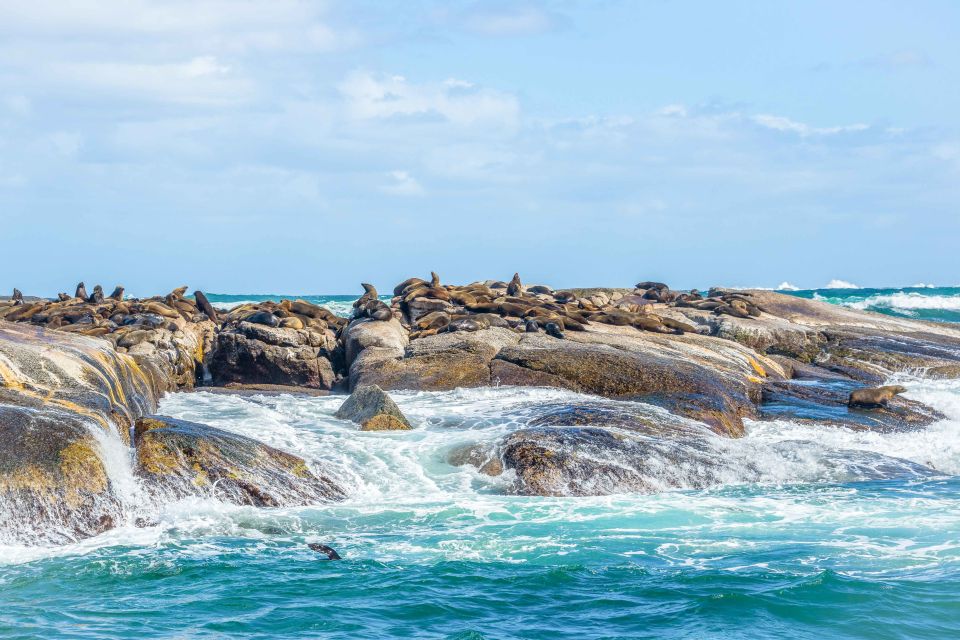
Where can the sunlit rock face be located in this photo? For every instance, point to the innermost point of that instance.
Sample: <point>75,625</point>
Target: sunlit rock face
<point>67,404</point>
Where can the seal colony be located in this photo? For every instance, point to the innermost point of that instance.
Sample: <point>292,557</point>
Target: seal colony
<point>89,361</point>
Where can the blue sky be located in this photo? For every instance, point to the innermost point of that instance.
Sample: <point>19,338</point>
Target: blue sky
<point>283,146</point>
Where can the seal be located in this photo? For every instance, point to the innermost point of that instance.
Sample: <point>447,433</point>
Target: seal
<point>515,287</point>
<point>264,318</point>
<point>81,292</point>
<point>539,289</point>
<point>532,326</point>
<point>874,397</point>
<point>117,293</point>
<point>434,280</point>
<point>409,282</point>
<point>17,297</point>
<point>553,330</point>
<point>324,549</point>
<point>205,306</point>
<point>63,297</point>
<point>178,292</point>
<point>647,284</point>
<point>97,296</point>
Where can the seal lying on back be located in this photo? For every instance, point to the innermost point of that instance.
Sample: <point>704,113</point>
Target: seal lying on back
<point>874,397</point>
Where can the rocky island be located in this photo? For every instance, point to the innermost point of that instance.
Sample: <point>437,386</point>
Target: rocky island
<point>80,378</point>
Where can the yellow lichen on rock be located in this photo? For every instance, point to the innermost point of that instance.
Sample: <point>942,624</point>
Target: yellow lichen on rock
<point>83,471</point>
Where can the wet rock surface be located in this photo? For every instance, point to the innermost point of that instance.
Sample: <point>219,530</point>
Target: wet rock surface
<point>180,458</point>
<point>88,364</point>
<point>374,410</point>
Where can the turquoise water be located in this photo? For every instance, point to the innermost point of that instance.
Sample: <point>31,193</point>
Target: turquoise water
<point>940,304</point>
<point>809,532</point>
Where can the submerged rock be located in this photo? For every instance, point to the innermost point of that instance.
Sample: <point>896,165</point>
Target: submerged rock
<point>179,458</point>
<point>374,410</point>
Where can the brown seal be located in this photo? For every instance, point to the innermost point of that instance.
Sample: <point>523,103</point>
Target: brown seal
<point>874,397</point>
<point>515,288</point>
<point>204,305</point>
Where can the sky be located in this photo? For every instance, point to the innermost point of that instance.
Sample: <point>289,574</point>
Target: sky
<point>285,146</point>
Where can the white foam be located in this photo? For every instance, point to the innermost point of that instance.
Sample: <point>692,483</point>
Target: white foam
<point>402,482</point>
<point>840,284</point>
<point>786,286</point>
<point>907,302</point>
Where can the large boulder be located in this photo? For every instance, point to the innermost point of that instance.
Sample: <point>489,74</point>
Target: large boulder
<point>63,399</point>
<point>54,487</point>
<point>176,458</point>
<point>435,363</point>
<point>258,354</point>
<point>374,410</point>
<point>388,336</point>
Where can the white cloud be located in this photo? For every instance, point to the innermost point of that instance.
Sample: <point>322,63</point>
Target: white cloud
<point>508,21</point>
<point>402,184</point>
<point>371,96</point>
<point>200,80</point>
<point>781,123</point>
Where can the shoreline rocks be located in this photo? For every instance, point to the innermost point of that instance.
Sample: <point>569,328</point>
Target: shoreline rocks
<point>79,367</point>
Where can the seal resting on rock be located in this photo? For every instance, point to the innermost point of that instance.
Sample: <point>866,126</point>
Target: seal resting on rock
<point>553,330</point>
<point>117,293</point>
<point>63,297</point>
<point>532,326</point>
<point>97,296</point>
<point>81,292</point>
<point>515,288</point>
<point>264,318</point>
<point>874,397</point>
<point>17,297</point>
<point>204,305</point>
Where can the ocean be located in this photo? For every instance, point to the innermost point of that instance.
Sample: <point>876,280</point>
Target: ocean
<point>813,532</point>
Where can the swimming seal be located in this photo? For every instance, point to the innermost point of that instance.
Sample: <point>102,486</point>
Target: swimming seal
<point>515,288</point>
<point>204,304</point>
<point>324,549</point>
<point>875,397</point>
